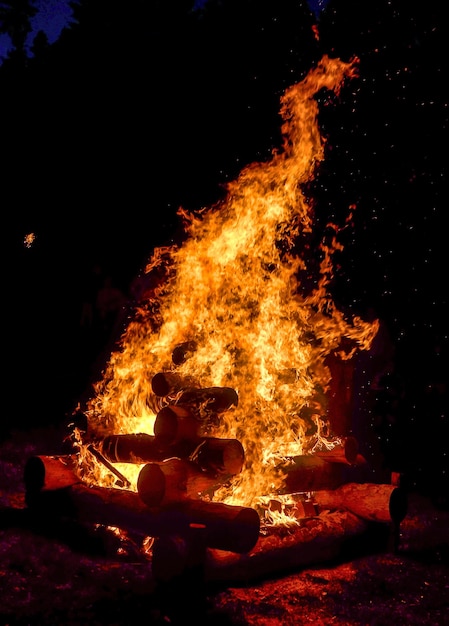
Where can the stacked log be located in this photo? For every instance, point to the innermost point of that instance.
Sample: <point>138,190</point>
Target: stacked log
<point>52,489</point>
<point>174,424</point>
<point>212,454</point>
<point>372,502</point>
<point>309,472</point>
<point>344,451</point>
<point>174,480</point>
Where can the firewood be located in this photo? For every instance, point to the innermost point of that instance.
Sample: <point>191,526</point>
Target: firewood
<point>47,473</point>
<point>141,448</point>
<point>226,527</point>
<point>183,351</point>
<point>344,452</point>
<point>167,383</point>
<point>373,502</point>
<point>220,456</point>
<point>174,424</point>
<point>210,454</point>
<point>174,480</point>
<point>209,399</point>
<point>309,473</point>
<point>314,541</point>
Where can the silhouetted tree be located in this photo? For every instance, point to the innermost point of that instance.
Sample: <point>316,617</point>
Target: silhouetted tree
<point>15,21</point>
<point>40,45</point>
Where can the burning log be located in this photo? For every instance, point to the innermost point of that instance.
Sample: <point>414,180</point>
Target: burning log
<point>174,480</point>
<point>167,383</point>
<point>211,454</point>
<point>226,527</point>
<point>183,351</point>
<point>122,480</point>
<point>372,502</point>
<point>344,452</point>
<point>221,456</point>
<point>131,448</point>
<point>174,424</point>
<point>210,399</point>
<point>312,473</point>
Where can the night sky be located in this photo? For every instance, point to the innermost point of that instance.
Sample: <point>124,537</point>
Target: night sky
<point>54,15</point>
<point>103,143</point>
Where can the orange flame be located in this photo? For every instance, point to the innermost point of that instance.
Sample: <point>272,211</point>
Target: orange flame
<point>234,288</point>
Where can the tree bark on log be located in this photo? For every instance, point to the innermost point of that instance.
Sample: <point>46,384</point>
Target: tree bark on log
<point>47,473</point>
<point>372,502</point>
<point>175,480</point>
<point>174,424</point>
<point>131,448</point>
<point>220,456</point>
<point>344,452</point>
<point>226,527</point>
<point>312,473</point>
<point>314,541</point>
<point>211,454</point>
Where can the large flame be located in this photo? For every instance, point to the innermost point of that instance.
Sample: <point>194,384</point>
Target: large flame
<point>236,288</point>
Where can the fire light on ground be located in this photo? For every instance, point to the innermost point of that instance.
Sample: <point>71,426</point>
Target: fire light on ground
<point>243,292</point>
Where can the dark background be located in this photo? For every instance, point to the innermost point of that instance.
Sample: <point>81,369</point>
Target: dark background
<point>139,108</point>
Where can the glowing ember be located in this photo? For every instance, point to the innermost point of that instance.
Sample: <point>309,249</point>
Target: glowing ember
<point>233,289</point>
<point>29,240</point>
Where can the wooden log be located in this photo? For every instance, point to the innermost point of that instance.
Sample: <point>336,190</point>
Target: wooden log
<point>183,351</point>
<point>47,473</point>
<point>141,448</point>
<point>372,502</point>
<point>313,541</point>
<point>210,454</point>
<point>219,456</point>
<point>174,480</point>
<point>174,424</point>
<point>343,452</point>
<point>167,383</point>
<point>226,527</point>
<point>209,399</point>
<point>311,473</point>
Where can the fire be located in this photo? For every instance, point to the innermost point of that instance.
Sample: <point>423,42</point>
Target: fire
<point>235,288</point>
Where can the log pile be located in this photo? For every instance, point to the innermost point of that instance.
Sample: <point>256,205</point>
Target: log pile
<point>183,466</point>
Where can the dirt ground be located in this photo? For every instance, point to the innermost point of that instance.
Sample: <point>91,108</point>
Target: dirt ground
<point>64,574</point>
